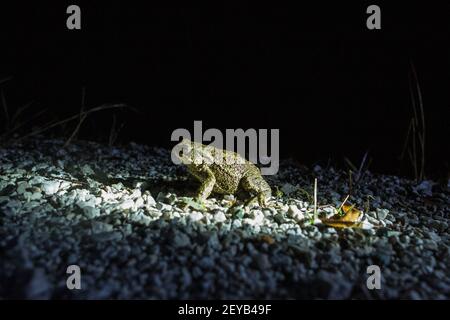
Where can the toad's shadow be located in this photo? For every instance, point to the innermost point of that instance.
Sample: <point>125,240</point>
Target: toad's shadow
<point>183,185</point>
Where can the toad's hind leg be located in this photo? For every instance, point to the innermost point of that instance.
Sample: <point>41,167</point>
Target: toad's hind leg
<point>255,184</point>
<point>207,185</point>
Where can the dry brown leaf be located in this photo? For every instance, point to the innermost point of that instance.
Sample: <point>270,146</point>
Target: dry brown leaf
<point>267,239</point>
<point>349,218</point>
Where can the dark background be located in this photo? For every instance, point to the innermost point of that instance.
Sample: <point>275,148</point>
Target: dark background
<point>334,88</point>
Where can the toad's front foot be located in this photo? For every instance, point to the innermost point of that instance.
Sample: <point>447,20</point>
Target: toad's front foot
<point>261,198</point>
<point>195,203</point>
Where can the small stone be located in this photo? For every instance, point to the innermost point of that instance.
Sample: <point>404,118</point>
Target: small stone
<point>229,197</point>
<point>36,196</point>
<point>213,241</point>
<point>425,188</point>
<point>155,213</point>
<point>237,223</point>
<point>87,170</point>
<point>181,240</point>
<point>128,229</point>
<point>98,227</point>
<point>64,185</point>
<point>161,197</point>
<point>219,217</point>
<point>139,202</point>
<point>196,216</point>
<point>434,236</point>
<point>186,278</point>
<point>414,295</point>
<point>296,213</point>
<point>206,263</point>
<point>91,212</point>
<point>268,213</point>
<point>262,260</point>
<point>170,199</point>
<point>107,236</point>
<point>27,196</point>
<point>430,245</point>
<point>50,187</point>
<point>279,218</point>
<point>239,213</point>
<point>136,194</point>
<point>257,217</point>
<point>163,207</point>
<point>127,204</point>
<point>392,233</point>
<point>118,186</point>
<point>22,187</point>
<point>150,201</point>
<point>382,213</point>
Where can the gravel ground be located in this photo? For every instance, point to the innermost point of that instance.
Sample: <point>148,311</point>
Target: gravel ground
<point>120,214</point>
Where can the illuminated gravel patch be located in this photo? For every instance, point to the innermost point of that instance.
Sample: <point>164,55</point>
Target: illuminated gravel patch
<point>119,213</point>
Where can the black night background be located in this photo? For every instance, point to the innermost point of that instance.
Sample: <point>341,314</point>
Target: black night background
<point>336,90</point>
<point>333,87</point>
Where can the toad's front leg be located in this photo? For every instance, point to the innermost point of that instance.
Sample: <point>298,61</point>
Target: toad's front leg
<point>207,185</point>
<point>257,185</point>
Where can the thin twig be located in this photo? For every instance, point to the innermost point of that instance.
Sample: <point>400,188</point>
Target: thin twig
<point>57,123</point>
<point>80,120</point>
<point>360,171</point>
<point>19,111</point>
<point>418,128</point>
<point>414,151</point>
<point>422,118</point>
<point>111,132</point>
<point>350,164</point>
<point>114,132</point>
<point>342,204</point>
<point>18,126</point>
<point>75,131</point>
<point>315,199</point>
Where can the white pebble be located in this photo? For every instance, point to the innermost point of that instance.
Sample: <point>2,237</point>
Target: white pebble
<point>219,217</point>
<point>127,204</point>
<point>50,187</point>
<point>91,212</point>
<point>195,216</point>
